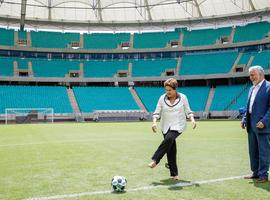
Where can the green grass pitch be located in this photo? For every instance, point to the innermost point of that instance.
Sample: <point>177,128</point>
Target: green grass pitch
<point>44,160</point>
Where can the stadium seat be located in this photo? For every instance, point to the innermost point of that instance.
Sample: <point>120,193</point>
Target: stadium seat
<point>104,98</point>
<point>35,97</point>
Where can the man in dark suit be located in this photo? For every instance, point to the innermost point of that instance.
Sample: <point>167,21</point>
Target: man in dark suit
<point>257,123</point>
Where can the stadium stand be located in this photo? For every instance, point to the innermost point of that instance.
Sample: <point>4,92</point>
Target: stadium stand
<point>246,57</point>
<point>53,68</point>
<point>103,68</point>
<point>154,40</point>
<point>207,63</point>
<point>205,36</point>
<point>263,59</point>
<point>43,39</point>
<point>6,66</point>
<point>229,97</point>
<point>152,67</point>
<point>104,40</point>
<point>22,35</point>
<point>251,32</point>
<point>35,97</point>
<point>6,37</point>
<point>104,98</point>
<point>22,63</point>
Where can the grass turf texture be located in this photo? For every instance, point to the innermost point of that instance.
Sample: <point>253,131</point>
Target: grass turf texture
<point>55,159</point>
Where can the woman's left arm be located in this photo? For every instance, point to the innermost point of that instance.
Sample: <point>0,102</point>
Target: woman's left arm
<point>188,112</point>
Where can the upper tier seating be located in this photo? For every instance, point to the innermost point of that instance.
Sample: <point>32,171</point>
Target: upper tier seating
<point>251,32</point>
<point>6,66</point>
<point>6,37</point>
<point>152,67</point>
<point>103,68</point>
<point>44,39</point>
<point>53,68</point>
<point>207,63</point>
<point>205,36</point>
<point>104,40</point>
<point>154,39</point>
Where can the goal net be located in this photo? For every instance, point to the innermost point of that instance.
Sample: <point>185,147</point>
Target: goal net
<point>28,115</point>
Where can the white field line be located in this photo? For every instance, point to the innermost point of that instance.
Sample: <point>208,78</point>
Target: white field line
<point>150,187</point>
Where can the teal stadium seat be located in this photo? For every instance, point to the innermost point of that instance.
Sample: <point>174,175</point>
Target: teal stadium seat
<point>262,59</point>
<point>145,68</point>
<point>45,39</point>
<point>35,97</point>
<point>104,98</point>
<point>207,63</point>
<point>224,95</point>
<point>53,68</point>
<point>205,36</point>
<point>154,40</point>
<point>6,37</point>
<point>197,96</point>
<point>251,32</point>
<point>104,40</point>
<point>22,35</point>
<point>6,67</point>
<point>245,58</point>
<point>103,68</point>
<point>22,63</point>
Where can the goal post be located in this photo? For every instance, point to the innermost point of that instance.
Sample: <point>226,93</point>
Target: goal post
<point>28,115</point>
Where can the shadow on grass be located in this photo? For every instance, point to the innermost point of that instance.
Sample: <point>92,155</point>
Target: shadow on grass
<point>264,186</point>
<point>118,193</point>
<point>173,184</point>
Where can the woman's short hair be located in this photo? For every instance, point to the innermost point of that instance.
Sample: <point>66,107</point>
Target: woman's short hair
<point>171,82</point>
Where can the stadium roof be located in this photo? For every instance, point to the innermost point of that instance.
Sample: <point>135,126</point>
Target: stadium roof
<point>94,12</point>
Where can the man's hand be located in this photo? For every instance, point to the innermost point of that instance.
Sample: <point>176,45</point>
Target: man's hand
<point>260,125</point>
<point>154,127</point>
<point>243,125</point>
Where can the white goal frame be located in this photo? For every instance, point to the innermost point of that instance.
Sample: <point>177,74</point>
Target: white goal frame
<point>42,113</point>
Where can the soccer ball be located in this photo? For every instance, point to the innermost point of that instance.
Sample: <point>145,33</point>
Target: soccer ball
<point>119,183</point>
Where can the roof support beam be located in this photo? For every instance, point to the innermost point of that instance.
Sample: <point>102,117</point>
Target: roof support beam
<point>198,8</point>
<point>252,5</point>
<point>49,9</point>
<point>99,10</point>
<point>148,10</point>
<point>23,12</point>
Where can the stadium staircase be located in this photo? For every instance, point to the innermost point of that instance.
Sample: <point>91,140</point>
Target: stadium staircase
<point>209,100</point>
<point>131,40</point>
<point>81,41</point>
<point>29,40</point>
<point>178,65</point>
<point>74,105</point>
<point>249,62</point>
<point>30,69</point>
<point>181,39</point>
<point>15,68</point>
<point>137,99</point>
<point>16,37</point>
<point>236,62</point>
<point>232,35</point>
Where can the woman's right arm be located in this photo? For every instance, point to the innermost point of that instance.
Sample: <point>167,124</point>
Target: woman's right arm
<point>156,115</point>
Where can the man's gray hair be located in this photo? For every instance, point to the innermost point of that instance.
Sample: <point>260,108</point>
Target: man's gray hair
<point>256,68</point>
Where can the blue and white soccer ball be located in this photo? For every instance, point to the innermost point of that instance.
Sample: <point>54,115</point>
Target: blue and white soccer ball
<point>119,183</point>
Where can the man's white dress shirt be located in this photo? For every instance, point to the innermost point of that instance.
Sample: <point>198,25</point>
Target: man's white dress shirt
<point>255,90</point>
